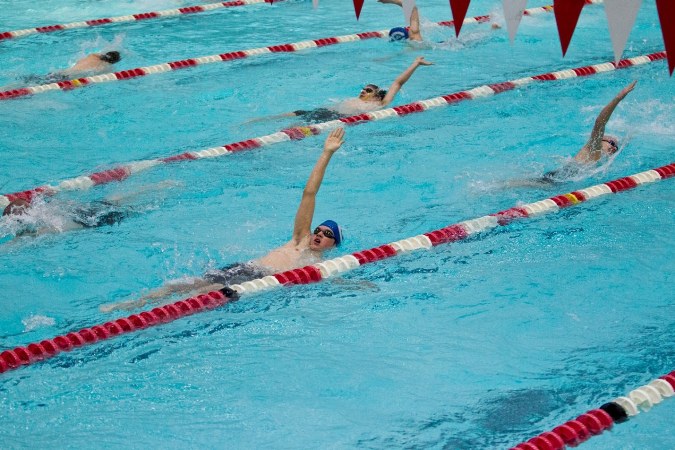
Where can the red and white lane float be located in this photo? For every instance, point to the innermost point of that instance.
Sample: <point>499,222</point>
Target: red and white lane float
<point>595,421</point>
<point>20,356</point>
<point>69,85</point>
<point>15,34</point>
<point>298,133</point>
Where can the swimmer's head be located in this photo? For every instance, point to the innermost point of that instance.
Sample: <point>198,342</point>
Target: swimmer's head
<point>327,235</point>
<point>398,34</point>
<point>610,145</point>
<point>372,93</point>
<point>16,207</point>
<point>110,57</point>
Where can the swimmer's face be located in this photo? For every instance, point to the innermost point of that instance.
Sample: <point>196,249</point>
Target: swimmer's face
<point>321,239</point>
<point>369,93</point>
<point>609,145</point>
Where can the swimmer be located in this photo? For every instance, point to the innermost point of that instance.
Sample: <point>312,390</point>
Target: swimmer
<point>371,98</point>
<point>92,215</point>
<point>306,246</point>
<point>93,64</point>
<point>28,219</point>
<point>598,147</point>
<point>411,33</point>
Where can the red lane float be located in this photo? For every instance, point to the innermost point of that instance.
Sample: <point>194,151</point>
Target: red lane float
<point>453,233</point>
<point>572,432</point>
<point>21,356</point>
<point>15,34</point>
<point>299,133</point>
<point>595,421</point>
<point>224,57</point>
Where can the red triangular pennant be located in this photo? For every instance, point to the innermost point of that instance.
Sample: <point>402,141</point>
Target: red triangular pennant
<point>566,16</point>
<point>459,8</point>
<point>358,4</point>
<point>666,9</point>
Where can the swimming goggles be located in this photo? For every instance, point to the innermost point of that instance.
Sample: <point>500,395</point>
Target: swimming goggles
<point>611,142</point>
<point>326,232</point>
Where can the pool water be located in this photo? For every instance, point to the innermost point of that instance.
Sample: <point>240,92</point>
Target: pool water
<point>482,343</point>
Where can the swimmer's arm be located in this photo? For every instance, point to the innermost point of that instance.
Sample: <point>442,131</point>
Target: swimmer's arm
<point>401,79</point>
<point>592,151</point>
<point>68,225</point>
<point>305,213</point>
<point>414,28</point>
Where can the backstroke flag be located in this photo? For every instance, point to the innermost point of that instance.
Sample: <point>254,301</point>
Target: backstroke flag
<point>513,12</point>
<point>459,8</point>
<point>621,16</point>
<point>666,9</point>
<point>566,17</point>
<point>358,4</point>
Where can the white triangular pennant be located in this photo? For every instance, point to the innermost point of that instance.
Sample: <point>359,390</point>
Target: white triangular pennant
<point>621,16</point>
<point>513,13</point>
<point>408,6</point>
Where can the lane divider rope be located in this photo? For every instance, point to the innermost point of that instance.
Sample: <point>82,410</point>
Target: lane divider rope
<point>20,356</point>
<point>595,421</point>
<point>194,9</point>
<point>297,133</point>
<point>69,85</point>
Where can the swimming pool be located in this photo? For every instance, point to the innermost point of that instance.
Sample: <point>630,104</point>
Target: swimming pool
<point>478,344</point>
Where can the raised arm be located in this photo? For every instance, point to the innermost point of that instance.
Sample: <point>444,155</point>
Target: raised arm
<point>592,150</point>
<point>414,33</point>
<point>401,79</point>
<point>303,218</point>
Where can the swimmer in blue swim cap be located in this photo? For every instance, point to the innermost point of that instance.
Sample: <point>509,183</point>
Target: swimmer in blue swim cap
<point>398,34</point>
<point>411,33</point>
<point>306,246</point>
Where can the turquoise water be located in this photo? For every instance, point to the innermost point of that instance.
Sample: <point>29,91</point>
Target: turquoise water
<point>478,344</point>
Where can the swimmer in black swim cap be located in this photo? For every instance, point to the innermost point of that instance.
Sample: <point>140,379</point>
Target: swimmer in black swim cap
<point>371,98</point>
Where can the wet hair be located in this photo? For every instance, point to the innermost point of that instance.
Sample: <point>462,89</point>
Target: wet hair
<point>111,57</point>
<point>380,93</point>
<point>16,207</point>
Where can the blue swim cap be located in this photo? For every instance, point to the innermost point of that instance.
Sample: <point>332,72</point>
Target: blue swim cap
<point>398,34</point>
<point>335,228</point>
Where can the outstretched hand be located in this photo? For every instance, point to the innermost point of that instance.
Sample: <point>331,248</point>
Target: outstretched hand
<point>334,140</point>
<point>626,90</point>
<point>420,61</point>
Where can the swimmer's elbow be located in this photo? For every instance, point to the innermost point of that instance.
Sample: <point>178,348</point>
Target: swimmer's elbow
<point>309,193</point>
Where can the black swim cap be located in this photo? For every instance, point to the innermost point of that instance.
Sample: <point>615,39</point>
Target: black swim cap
<point>111,57</point>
